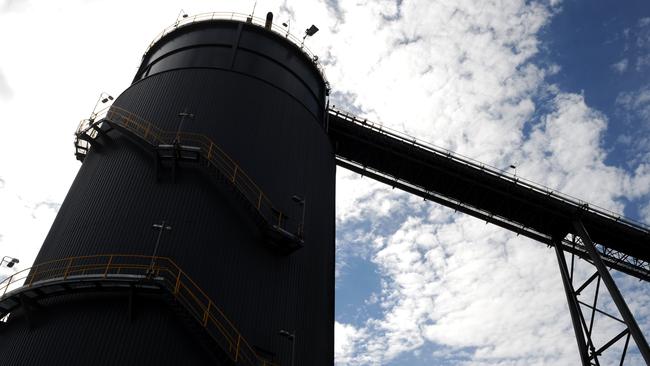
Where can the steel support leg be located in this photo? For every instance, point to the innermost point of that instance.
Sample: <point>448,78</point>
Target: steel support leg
<point>625,312</point>
<point>574,306</point>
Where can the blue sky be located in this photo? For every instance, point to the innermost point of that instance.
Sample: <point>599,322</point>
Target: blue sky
<point>559,88</point>
<point>603,52</point>
<point>597,51</point>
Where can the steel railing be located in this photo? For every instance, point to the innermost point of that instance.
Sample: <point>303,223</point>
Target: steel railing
<point>211,152</point>
<point>204,17</point>
<point>85,129</point>
<point>161,270</point>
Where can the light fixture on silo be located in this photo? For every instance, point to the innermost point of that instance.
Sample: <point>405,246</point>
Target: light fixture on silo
<point>308,33</point>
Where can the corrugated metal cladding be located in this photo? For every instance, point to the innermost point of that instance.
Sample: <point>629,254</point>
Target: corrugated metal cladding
<point>96,330</point>
<point>263,102</point>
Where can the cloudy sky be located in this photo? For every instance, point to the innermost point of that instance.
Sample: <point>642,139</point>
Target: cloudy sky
<point>560,89</point>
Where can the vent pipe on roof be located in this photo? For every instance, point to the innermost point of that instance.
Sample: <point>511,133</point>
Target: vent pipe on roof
<point>269,20</point>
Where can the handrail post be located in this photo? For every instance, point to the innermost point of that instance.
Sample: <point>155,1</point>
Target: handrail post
<point>234,174</point>
<point>210,150</point>
<point>33,276</point>
<point>7,285</point>
<point>67,268</point>
<point>177,286</point>
<point>259,201</point>
<point>206,314</point>
<point>237,349</point>
<point>279,218</point>
<point>110,260</point>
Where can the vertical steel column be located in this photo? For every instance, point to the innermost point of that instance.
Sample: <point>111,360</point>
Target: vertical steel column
<point>574,306</point>
<point>625,312</point>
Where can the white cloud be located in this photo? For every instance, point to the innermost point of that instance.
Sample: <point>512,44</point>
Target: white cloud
<point>24,222</point>
<point>644,22</point>
<point>5,88</point>
<point>455,73</point>
<point>458,283</point>
<point>477,290</point>
<point>642,62</point>
<point>346,337</point>
<point>643,44</point>
<point>634,107</point>
<point>639,183</point>
<point>645,213</point>
<point>11,5</point>
<point>564,153</point>
<point>553,69</point>
<point>620,66</point>
<point>637,102</point>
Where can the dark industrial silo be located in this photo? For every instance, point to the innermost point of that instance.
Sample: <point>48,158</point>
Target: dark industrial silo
<point>261,101</point>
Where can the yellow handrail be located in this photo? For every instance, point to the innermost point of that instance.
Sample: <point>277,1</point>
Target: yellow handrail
<point>107,267</point>
<point>209,150</point>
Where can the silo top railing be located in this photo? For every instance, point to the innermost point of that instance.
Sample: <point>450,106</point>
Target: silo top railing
<point>204,17</point>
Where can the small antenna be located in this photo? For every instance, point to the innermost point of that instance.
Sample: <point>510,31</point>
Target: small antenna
<point>514,167</point>
<point>250,17</point>
<point>181,15</point>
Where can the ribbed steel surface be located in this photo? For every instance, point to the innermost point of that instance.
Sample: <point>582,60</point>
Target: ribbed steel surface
<point>276,135</point>
<point>96,330</point>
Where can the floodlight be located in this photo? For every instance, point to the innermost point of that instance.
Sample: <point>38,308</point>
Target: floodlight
<point>10,262</point>
<point>311,30</point>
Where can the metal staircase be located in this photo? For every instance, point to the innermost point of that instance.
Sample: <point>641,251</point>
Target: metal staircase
<point>192,147</point>
<point>139,273</point>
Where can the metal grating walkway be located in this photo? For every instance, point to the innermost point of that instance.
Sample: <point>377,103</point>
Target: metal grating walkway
<point>184,146</point>
<point>118,272</point>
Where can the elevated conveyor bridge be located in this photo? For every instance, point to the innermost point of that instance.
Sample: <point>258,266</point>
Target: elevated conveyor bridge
<point>487,193</point>
<point>603,239</point>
